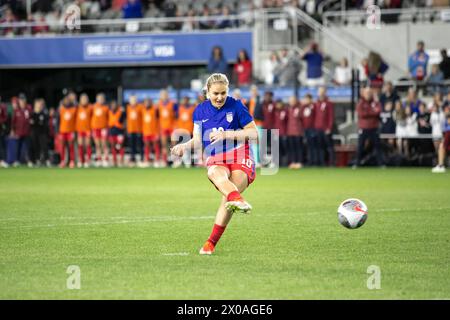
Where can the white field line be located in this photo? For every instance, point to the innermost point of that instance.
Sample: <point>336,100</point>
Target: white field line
<point>126,220</point>
<point>176,254</point>
<point>92,223</point>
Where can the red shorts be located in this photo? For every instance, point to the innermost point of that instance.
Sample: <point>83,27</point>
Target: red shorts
<point>84,134</point>
<point>100,133</point>
<point>151,138</point>
<point>67,137</point>
<point>118,139</point>
<point>447,141</point>
<point>166,132</point>
<point>236,159</point>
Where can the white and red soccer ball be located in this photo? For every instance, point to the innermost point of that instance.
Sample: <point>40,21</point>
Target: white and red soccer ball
<point>352,213</point>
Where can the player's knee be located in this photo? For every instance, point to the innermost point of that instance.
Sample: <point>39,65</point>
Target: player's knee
<point>215,174</point>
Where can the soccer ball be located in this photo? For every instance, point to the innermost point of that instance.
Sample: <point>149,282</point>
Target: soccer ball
<point>352,213</point>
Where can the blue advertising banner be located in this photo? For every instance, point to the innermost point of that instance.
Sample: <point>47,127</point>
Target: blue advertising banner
<point>142,49</point>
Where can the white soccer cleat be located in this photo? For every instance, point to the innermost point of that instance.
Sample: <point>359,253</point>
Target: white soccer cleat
<point>238,206</point>
<point>438,169</point>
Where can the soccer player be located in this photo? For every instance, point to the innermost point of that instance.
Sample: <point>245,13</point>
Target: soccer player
<point>308,114</point>
<point>167,115</point>
<point>323,123</point>
<point>134,127</point>
<point>67,121</point>
<point>184,127</point>
<point>255,109</point>
<point>223,126</point>
<point>99,126</point>
<point>83,129</point>
<point>150,132</point>
<point>116,123</point>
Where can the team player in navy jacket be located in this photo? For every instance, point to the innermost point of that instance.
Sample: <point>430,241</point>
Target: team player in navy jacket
<point>224,128</point>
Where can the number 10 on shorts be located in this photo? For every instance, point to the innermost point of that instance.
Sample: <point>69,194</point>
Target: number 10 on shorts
<point>247,163</point>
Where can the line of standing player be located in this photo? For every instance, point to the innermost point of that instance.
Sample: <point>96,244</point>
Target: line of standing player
<point>146,128</point>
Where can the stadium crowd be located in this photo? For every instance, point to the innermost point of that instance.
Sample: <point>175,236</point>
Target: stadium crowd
<point>48,12</point>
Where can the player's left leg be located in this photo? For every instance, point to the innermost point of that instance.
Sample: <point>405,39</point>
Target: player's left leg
<point>223,216</point>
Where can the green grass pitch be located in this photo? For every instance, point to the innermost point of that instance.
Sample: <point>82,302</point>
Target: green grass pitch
<point>135,234</point>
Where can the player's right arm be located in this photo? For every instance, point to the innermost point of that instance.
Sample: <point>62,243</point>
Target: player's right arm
<point>194,143</point>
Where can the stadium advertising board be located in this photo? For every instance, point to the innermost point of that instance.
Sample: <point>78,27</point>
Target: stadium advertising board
<point>82,51</point>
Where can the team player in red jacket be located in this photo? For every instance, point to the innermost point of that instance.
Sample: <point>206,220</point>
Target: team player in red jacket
<point>280,123</point>
<point>308,112</point>
<point>368,110</point>
<point>295,134</point>
<point>3,133</point>
<point>21,129</point>
<point>323,123</point>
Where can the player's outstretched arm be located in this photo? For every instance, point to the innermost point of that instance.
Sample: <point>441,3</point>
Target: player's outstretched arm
<point>194,143</point>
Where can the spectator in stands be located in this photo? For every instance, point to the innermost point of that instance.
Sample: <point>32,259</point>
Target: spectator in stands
<point>9,17</point>
<point>268,68</point>
<point>308,114</point>
<point>217,62</point>
<point>412,100</point>
<point>190,24</point>
<point>418,62</point>
<point>362,67</point>
<point>243,69</point>
<point>444,147</point>
<point>171,10</point>
<point>21,129</point>
<point>225,22</point>
<point>280,123</point>
<point>314,61</point>
<point>323,123</point>
<point>400,128</point>
<point>444,65</point>
<point>389,94</point>
<point>388,124</point>
<point>288,69</point>
<point>295,134</point>
<point>437,119</point>
<point>3,133</point>
<point>411,131</point>
<point>206,24</point>
<point>368,110</point>
<point>435,80</point>
<point>132,9</point>
<point>375,70</point>
<point>424,127</point>
<point>342,73</point>
<point>446,104</point>
<point>39,133</point>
